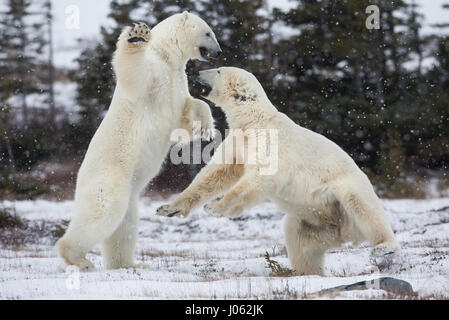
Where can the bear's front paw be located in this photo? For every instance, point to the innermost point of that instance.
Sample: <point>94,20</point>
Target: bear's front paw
<point>168,211</point>
<point>140,33</point>
<point>85,265</point>
<point>213,208</point>
<point>384,249</point>
<point>205,126</point>
<point>204,130</point>
<point>209,134</point>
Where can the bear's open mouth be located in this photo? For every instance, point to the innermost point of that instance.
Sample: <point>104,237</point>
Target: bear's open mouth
<point>207,54</point>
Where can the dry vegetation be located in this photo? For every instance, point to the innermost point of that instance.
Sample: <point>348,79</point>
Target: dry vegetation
<point>16,232</point>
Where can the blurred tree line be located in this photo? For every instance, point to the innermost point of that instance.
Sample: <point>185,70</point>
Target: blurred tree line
<point>367,90</point>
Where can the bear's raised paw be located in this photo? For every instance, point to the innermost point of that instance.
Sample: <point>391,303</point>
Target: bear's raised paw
<point>139,33</point>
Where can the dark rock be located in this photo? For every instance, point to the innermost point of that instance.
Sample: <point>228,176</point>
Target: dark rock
<point>388,284</point>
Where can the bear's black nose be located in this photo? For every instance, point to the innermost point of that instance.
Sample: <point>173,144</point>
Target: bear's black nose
<point>219,52</point>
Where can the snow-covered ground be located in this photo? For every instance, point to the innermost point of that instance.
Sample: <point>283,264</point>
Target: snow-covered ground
<point>206,258</point>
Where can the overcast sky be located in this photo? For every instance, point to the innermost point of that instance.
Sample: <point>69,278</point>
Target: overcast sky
<point>93,14</point>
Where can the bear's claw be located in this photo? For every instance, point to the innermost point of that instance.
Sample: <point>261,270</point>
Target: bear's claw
<point>165,211</point>
<point>173,213</point>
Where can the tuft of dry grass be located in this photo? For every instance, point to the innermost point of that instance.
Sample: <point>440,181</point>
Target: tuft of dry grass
<point>276,268</point>
<point>9,219</point>
<point>15,232</point>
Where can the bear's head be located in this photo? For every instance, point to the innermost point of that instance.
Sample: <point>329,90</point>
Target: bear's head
<point>231,88</point>
<point>203,43</point>
<point>187,36</point>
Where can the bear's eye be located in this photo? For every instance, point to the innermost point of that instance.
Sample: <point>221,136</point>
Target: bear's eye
<point>207,34</point>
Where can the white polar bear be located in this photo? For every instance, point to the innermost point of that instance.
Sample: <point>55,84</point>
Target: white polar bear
<point>151,99</point>
<point>327,198</point>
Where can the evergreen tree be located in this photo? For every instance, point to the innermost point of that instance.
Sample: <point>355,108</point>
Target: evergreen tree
<point>51,70</point>
<point>22,44</point>
<point>416,41</point>
<point>340,80</point>
<point>429,142</point>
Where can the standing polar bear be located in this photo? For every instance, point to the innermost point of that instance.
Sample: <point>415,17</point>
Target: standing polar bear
<point>150,100</point>
<point>327,198</point>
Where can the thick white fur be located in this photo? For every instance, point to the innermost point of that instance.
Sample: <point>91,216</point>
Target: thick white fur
<point>150,100</point>
<point>327,198</point>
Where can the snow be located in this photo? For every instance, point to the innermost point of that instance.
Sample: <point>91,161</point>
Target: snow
<point>203,257</point>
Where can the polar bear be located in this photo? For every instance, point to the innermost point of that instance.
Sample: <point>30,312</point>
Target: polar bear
<point>151,99</point>
<point>327,199</point>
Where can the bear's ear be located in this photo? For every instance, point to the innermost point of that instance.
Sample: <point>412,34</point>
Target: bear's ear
<point>184,17</point>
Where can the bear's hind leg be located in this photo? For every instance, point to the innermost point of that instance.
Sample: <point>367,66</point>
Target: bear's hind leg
<point>306,244</point>
<point>369,218</point>
<point>82,235</point>
<point>73,253</point>
<point>98,214</point>
<point>118,248</point>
